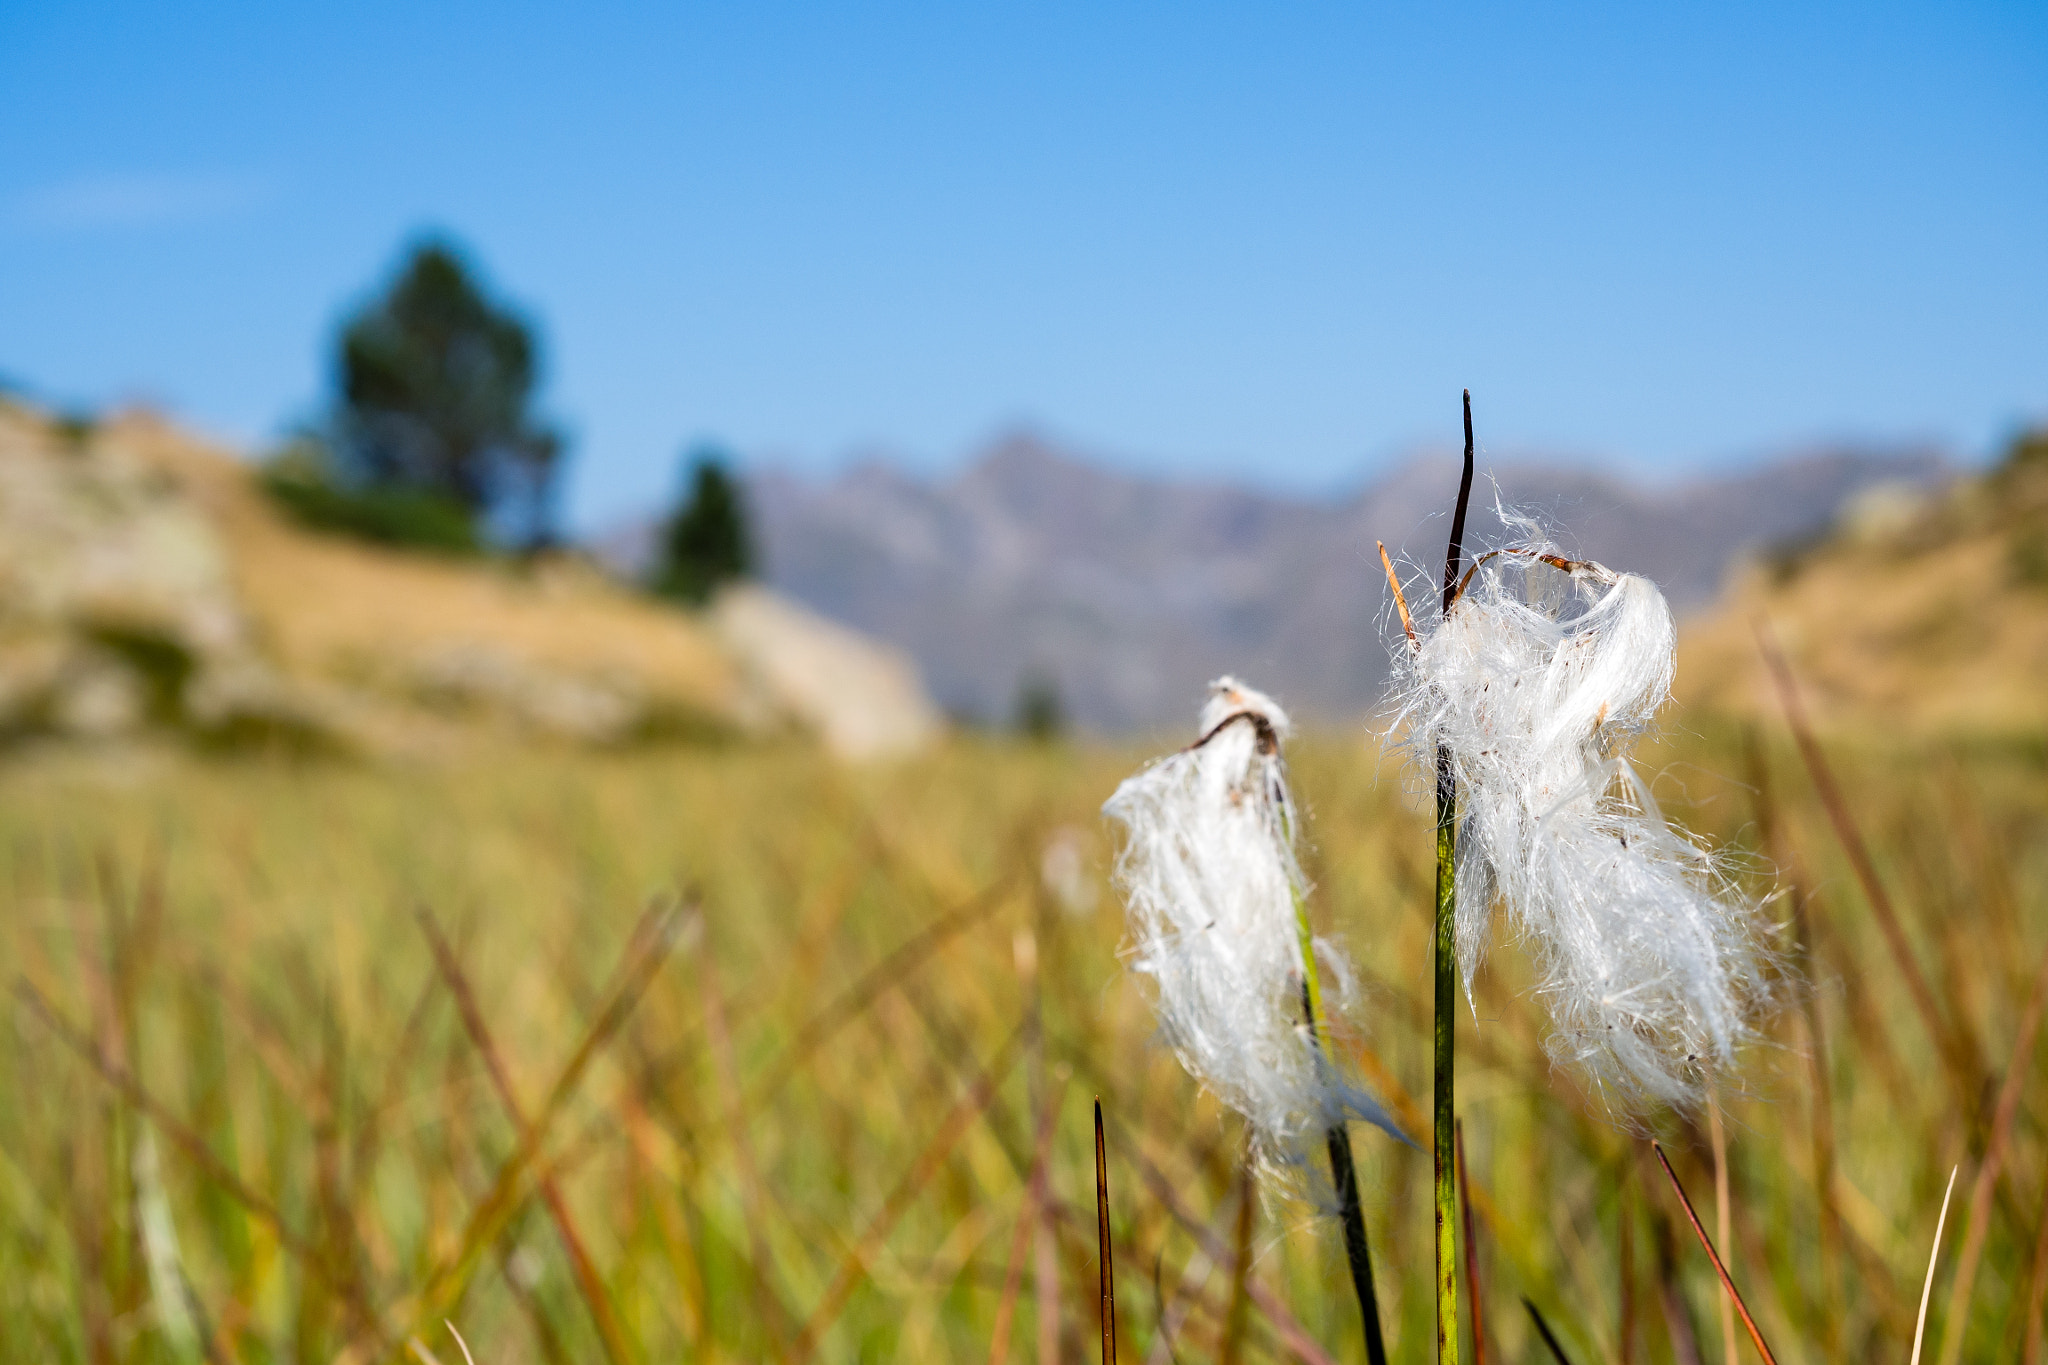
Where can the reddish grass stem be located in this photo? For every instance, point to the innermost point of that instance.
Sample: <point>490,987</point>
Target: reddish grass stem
<point>1471,1250</point>
<point>1712,1255</point>
<point>657,931</point>
<point>610,1331</point>
<point>1860,862</point>
<point>1241,1267</point>
<point>1956,1320</point>
<point>1285,1325</point>
<point>193,1145</point>
<point>904,959</point>
<point>1029,1217</point>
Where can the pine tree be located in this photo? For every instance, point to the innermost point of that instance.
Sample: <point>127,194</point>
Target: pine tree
<point>707,541</point>
<point>437,385</point>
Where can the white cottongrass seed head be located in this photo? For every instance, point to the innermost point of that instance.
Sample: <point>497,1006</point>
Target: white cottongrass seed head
<point>1210,885</point>
<point>1538,682</point>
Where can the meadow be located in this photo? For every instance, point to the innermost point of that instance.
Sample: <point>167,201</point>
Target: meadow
<point>736,1053</point>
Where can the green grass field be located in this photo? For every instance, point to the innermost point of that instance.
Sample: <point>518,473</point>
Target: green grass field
<point>787,1041</point>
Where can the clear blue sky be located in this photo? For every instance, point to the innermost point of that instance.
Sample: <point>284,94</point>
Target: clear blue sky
<point>1265,241</point>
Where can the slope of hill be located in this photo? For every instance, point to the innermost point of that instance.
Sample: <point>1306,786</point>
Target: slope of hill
<point>1920,612</point>
<point>1128,593</point>
<point>149,582</point>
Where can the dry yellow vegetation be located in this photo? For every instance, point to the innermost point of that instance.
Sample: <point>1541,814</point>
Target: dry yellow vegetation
<point>1929,614</point>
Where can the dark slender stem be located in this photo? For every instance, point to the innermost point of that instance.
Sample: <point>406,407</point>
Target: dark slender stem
<point>1102,1240</point>
<point>1351,1209</point>
<point>1446,986</point>
<point>1454,557</point>
<point>1549,1338</point>
<point>1355,1250</point>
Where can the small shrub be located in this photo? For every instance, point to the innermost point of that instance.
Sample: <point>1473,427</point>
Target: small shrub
<point>1041,715</point>
<point>300,482</point>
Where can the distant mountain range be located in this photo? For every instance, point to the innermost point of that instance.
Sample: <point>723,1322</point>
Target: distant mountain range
<point>1034,566</point>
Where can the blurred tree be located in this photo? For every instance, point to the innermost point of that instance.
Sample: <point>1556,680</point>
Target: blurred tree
<point>436,386</point>
<point>2029,449</point>
<point>707,541</point>
<point>1041,716</point>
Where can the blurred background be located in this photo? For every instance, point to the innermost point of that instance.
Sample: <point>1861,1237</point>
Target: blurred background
<point>522,464</point>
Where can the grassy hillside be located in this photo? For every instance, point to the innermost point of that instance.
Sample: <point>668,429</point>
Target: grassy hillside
<point>431,638</point>
<point>249,1119</point>
<point>1924,612</point>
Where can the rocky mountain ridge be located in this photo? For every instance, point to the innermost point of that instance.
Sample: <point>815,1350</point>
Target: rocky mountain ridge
<point>1125,593</point>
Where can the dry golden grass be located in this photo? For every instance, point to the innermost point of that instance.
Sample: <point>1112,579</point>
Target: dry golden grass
<point>816,1130</point>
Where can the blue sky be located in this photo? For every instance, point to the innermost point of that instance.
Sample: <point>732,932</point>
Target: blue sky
<point>1266,242</point>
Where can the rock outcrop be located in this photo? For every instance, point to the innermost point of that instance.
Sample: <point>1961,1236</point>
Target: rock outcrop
<point>862,698</point>
<point>118,608</point>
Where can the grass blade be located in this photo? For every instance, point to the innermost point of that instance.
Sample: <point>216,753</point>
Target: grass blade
<point>1979,1226</point>
<point>853,1268</point>
<point>904,959</point>
<point>718,1027</point>
<point>2037,1291</point>
<point>1933,1256</point>
<point>1719,1269</point>
<point>660,927</point>
<point>180,1136</point>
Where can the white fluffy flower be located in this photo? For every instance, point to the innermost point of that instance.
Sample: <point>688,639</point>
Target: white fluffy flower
<point>1211,886</point>
<point>1538,682</point>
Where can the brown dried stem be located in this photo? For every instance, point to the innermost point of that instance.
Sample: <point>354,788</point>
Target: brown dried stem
<point>1712,1255</point>
<point>1962,1067</point>
<point>1956,1320</point>
<point>1471,1249</point>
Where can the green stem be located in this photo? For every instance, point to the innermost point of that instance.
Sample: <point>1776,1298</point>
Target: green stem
<point>1446,1004</point>
<point>1446,1060</point>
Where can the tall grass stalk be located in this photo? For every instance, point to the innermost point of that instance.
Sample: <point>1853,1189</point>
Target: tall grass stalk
<point>1933,1259</point>
<point>1445,1005</point>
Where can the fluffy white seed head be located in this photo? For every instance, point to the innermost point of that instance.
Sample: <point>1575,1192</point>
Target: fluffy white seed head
<point>1210,885</point>
<point>1538,682</point>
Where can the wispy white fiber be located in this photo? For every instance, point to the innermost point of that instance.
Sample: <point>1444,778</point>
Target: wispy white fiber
<point>1539,681</point>
<point>1210,884</point>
